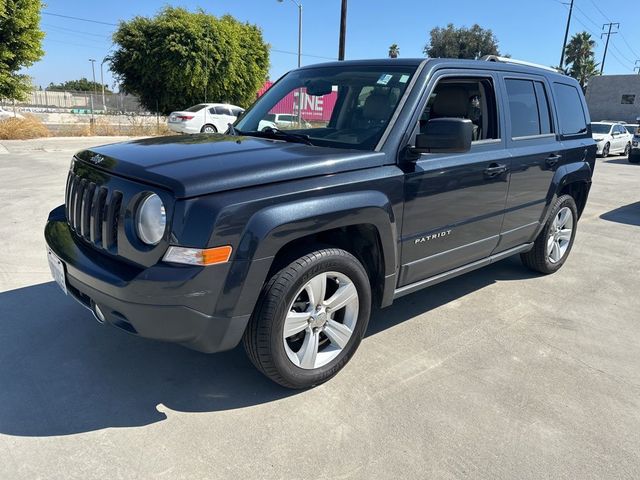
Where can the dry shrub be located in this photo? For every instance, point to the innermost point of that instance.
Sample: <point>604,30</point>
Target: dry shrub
<point>73,130</point>
<point>23,128</point>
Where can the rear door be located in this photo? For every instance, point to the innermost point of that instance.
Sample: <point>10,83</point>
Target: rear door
<point>536,155</point>
<point>454,203</point>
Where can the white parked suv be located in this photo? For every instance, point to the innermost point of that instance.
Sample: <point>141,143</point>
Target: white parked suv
<point>611,138</point>
<point>204,118</point>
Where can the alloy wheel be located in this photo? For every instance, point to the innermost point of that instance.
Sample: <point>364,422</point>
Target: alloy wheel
<point>320,320</point>
<point>560,234</point>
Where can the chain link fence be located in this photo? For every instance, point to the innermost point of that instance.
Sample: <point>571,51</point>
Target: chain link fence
<point>83,113</point>
<point>47,101</point>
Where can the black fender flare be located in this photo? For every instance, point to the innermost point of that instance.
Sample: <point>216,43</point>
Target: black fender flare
<point>273,227</point>
<point>565,175</point>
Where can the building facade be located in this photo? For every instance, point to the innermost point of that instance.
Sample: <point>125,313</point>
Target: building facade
<point>614,97</point>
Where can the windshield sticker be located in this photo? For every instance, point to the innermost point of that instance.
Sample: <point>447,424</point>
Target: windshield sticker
<point>404,78</point>
<point>384,79</point>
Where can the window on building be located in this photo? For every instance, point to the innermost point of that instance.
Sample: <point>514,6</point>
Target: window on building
<point>628,99</point>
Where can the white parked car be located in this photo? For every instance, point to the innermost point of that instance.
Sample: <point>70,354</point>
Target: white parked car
<point>5,114</point>
<point>204,118</point>
<point>282,121</point>
<point>611,138</point>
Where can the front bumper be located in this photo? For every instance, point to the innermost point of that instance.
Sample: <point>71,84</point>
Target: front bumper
<point>163,302</point>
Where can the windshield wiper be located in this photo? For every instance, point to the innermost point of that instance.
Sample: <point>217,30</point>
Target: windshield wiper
<point>278,134</point>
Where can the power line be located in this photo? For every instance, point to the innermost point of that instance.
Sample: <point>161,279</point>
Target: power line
<point>79,19</point>
<point>56,27</point>
<point>601,12</point>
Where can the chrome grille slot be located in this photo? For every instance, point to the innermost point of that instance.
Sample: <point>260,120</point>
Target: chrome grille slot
<point>93,212</point>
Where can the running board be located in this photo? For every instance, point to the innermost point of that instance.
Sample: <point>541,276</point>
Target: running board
<point>441,277</point>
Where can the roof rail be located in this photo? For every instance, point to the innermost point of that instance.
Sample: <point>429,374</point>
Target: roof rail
<point>496,58</point>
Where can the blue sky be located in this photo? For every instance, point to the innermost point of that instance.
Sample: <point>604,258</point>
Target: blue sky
<point>528,30</point>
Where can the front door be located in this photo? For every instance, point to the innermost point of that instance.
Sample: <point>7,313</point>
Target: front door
<point>454,203</point>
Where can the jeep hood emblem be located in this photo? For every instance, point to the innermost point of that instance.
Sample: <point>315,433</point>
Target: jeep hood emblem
<point>96,159</point>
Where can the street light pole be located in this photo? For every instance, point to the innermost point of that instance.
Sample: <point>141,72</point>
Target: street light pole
<point>104,103</point>
<point>93,70</point>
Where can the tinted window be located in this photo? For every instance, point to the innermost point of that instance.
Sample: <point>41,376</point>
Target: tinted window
<point>523,106</point>
<point>222,111</point>
<point>195,108</point>
<point>570,111</point>
<point>600,128</point>
<point>286,118</point>
<point>543,108</point>
<point>236,111</point>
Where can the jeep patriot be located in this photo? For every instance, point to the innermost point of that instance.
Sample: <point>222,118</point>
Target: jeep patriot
<point>284,240</point>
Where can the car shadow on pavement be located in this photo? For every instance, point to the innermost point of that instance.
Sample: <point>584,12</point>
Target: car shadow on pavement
<point>620,161</point>
<point>628,214</point>
<point>61,372</point>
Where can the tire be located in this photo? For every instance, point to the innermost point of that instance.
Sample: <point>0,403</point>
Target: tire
<point>634,158</point>
<point>208,128</point>
<point>605,150</point>
<point>627,150</point>
<point>287,299</point>
<point>544,257</point>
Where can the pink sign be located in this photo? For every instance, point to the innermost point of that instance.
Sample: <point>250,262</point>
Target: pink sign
<point>313,107</point>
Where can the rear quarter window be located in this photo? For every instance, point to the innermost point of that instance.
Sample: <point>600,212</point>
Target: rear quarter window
<point>571,114</point>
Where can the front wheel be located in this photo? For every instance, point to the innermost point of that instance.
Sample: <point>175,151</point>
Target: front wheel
<point>605,150</point>
<point>554,242</point>
<point>310,319</point>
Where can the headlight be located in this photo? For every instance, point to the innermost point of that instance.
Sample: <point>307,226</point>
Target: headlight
<point>151,219</point>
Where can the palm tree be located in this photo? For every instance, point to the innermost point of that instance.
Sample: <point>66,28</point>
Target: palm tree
<point>580,59</point>
<point>394,51</point>
<point>580,48</point>
<point>583,71</point>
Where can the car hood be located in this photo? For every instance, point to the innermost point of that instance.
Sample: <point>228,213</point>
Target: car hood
<point>199,164</point>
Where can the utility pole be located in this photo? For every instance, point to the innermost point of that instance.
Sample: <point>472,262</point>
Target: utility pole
<point>93,70</point>
<point>606,46</point>
<point>566,36</point>
<point>343,30</point>
<point>637,67</point>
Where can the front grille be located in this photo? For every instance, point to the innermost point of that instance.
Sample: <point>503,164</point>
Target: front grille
<point>93,211</point>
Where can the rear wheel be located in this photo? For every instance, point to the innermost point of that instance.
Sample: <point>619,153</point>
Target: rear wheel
<point>310,319</point>
<point>554,243</point>
<point>627,149</point>
<point>208,128</point>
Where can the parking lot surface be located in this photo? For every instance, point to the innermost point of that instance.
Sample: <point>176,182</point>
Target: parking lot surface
<point>501,373</point>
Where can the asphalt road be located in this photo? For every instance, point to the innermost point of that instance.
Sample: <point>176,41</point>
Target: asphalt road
<point>500,374</point>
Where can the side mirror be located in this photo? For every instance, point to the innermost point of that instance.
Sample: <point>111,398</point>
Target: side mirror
<point>445,135</point>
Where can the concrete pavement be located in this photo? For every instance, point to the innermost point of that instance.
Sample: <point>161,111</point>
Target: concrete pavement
<point>497,374</point>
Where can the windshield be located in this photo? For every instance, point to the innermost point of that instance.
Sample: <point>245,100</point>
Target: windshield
<point>344,106</point>
<point>600,128</point>
<point>195,108</point>
<point>632,129</point>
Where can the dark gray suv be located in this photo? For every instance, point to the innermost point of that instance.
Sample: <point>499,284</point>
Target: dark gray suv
<point>399,174</point>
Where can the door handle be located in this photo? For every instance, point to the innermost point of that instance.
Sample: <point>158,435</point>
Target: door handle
<point>495,170</point>
<point>552,160</point>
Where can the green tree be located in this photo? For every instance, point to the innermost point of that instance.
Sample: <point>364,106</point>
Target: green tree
<point>179,58</point>
<point>82,85</point>
<point>470,43</point>
<point>394,50</point>
<point>20,45</point>
<point>580,58</point>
